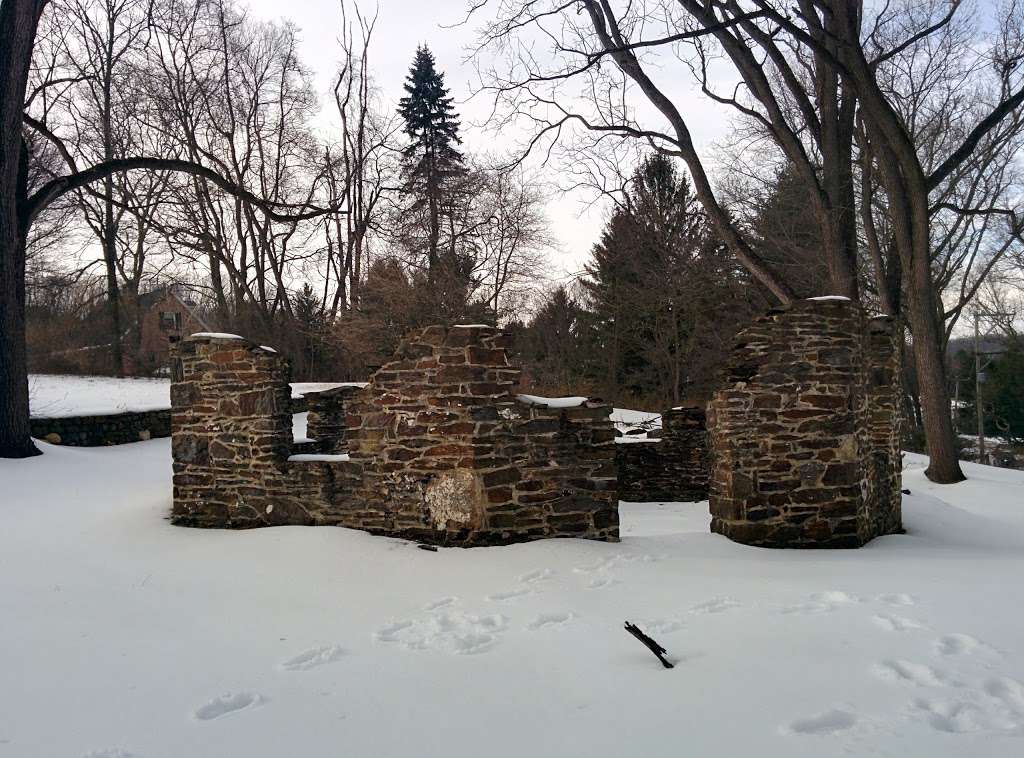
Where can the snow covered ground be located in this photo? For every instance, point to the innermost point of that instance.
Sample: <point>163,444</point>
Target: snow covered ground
<point>66,395</point>
<point>122,635</point>
<point>56,395</point>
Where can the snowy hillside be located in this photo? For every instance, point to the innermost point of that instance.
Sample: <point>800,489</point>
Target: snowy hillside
<point>123,635</point>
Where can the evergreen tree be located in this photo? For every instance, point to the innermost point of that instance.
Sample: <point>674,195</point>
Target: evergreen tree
<point>656,276</point>
<point>432,159</point>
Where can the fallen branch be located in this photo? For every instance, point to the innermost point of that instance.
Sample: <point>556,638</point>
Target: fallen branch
<point>653,646</point>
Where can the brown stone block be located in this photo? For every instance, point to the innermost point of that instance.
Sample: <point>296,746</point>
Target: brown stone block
<point>487,356</point>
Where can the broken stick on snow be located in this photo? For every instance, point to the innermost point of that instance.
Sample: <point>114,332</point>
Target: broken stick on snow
<point>653,646</point>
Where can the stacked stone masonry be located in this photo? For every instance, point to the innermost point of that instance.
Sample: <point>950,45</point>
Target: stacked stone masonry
<point>673,468</point>
<point>436,448</point>
<point>805,431</point>
<point>105,429</point>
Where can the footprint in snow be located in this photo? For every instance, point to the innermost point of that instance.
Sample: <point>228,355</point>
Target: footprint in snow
<point>112,752</point>
<point>536,576</point>
<point>909,672</point>
<point>443,602</point>
<point>229,702</point>
<point>545,620</point>
<point>600,582</point>
<point>448,631</point>
<point>660,625</point>
<point>1008,691</point>
<point>895,623</point>
<point>822,602</point>
<point>897,598</point>
<point>957,644</point>
<point>315,656</point>
<point>716,605</point>
<point>829,722</point>
<point>504,597</point>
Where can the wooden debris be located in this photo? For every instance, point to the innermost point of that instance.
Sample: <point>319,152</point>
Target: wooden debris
<point>651,645</point>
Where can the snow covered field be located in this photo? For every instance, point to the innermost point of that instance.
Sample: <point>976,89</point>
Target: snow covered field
<point>57,395</point>
<point>124,636</point>
<point>66,395</point>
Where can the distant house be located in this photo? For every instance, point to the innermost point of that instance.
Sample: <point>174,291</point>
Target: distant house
<point>165,315</point>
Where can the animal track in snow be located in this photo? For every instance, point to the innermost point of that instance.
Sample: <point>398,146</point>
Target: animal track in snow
<point>829,722</point>
<point>315,656</point>
<point>908,671</point>
<point>504,597</point>
<point>443,602</point>
<point>110,753</point>
<point>545,620</point>
<point>539,575</point>
<point>452,631</point>
<point>956,644</point>
<point>822,602</point>
<point>229,702</point>
<point>600,582</point>
<point>895,623</point>
<point>716,605</point>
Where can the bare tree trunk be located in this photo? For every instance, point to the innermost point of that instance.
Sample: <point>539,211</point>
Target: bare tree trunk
<point>110,263</point>
<point>18,20</point>
<point>930,369</point>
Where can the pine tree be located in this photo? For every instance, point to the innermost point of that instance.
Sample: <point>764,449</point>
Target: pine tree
<point>432,158</point>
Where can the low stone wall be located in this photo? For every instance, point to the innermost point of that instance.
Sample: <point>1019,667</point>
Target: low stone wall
<point>436,447</point>
<point>805,432</point>
<point>106,429</point>
<point>673,468</point>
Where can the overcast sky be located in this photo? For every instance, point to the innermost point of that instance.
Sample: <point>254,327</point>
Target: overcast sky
<point>404,24</point>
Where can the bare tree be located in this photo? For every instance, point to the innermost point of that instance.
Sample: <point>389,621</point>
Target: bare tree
<point>806,74</point>
<point>21,205</point>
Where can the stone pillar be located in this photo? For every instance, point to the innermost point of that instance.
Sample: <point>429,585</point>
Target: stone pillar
<point>230,429</point>
<point>884,420</point>
<point>794,461</point>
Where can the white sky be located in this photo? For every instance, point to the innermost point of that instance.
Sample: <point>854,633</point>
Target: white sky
<point>404,24</point>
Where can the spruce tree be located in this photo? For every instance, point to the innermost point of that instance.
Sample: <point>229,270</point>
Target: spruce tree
<point>432,158</point>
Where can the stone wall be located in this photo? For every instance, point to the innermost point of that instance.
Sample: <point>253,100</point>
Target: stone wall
<point>105,429</point>
<point>436,447</point>
<point>805,432</point>
<point>673,468</point>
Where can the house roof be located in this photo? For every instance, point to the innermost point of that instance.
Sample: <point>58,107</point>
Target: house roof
<point>148,299</point>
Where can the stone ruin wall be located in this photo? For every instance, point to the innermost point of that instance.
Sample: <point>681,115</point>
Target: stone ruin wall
<point>436,448</point>
<point>805,432</point>
<point>674,468</point>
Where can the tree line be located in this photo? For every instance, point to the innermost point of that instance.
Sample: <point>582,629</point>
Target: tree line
<point>901,122</point>
<point>177,141</point>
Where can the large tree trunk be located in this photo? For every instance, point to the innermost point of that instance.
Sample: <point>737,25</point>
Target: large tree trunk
<point>940,439</point>
<point>18,20</point>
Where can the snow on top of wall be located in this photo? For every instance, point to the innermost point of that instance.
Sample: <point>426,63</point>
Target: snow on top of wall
<point>301,388</point>
<point>310,457</point>
<point>552,402</point>
<point>218,335</point>
<point>830,297</point>
<point>268,348</point>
